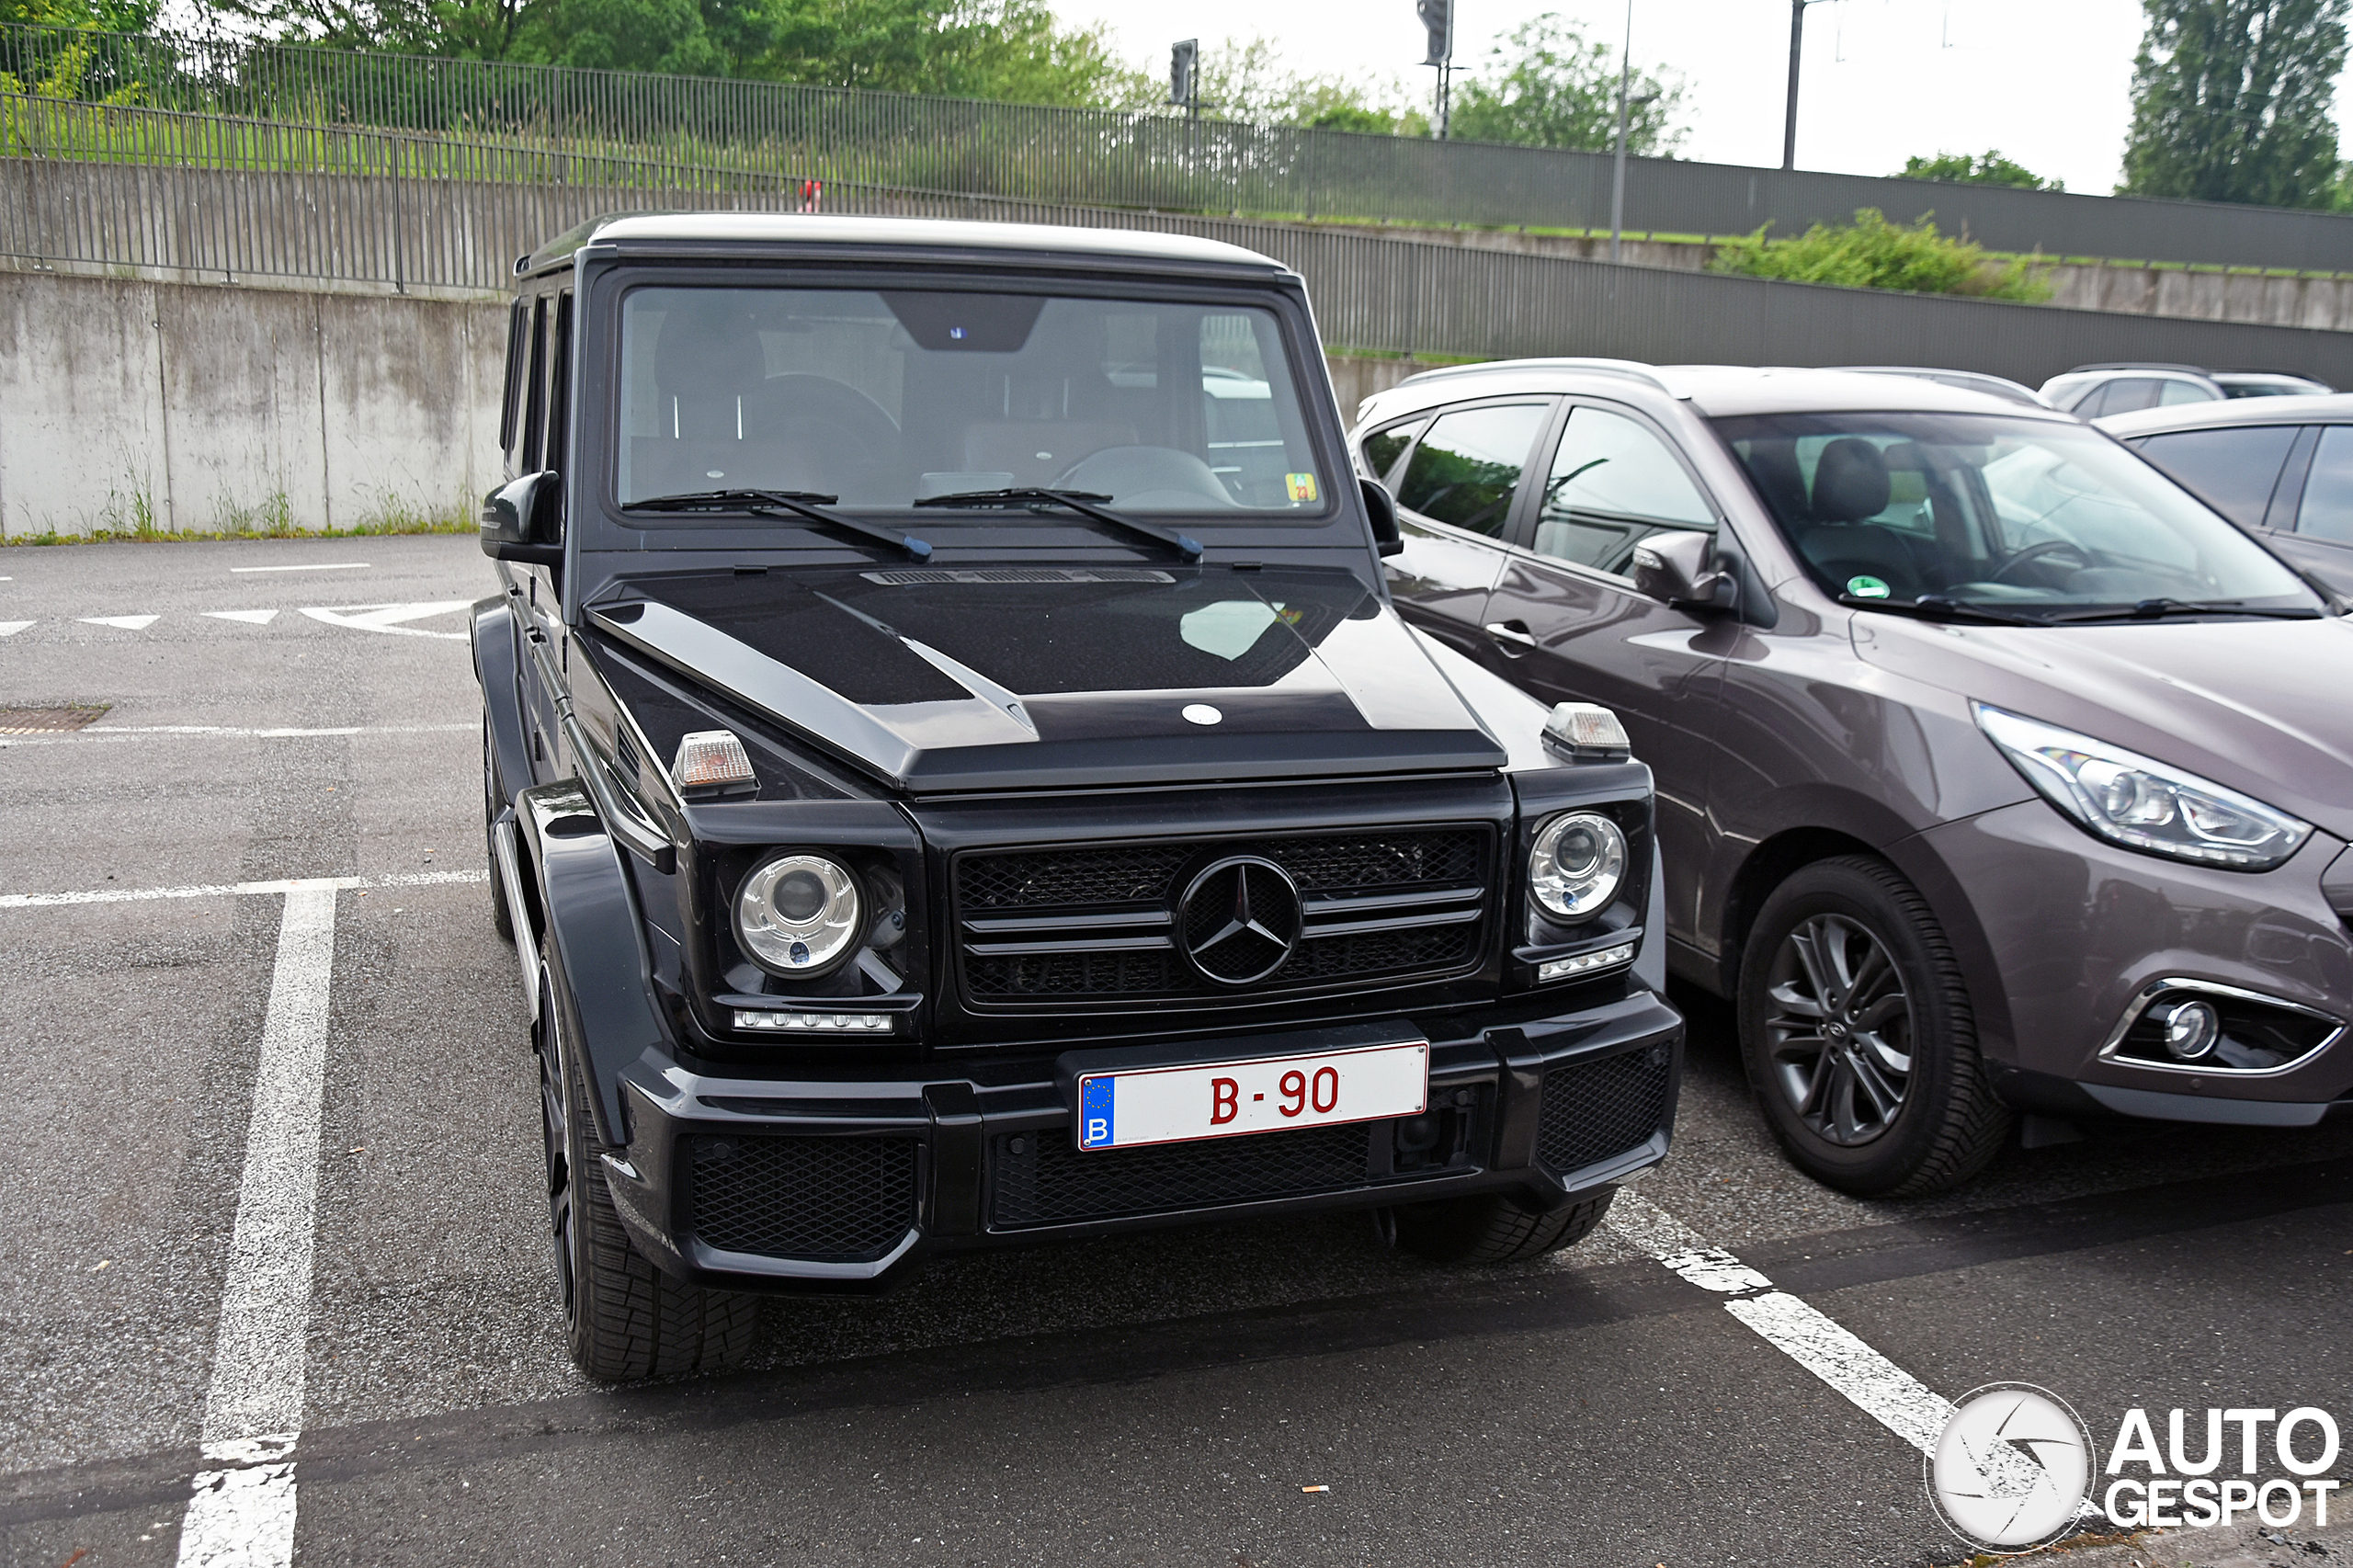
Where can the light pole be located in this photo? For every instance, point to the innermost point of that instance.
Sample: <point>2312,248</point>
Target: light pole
<point>1797,46</point>
<point>1438,18</point>
<point>1617,175</point>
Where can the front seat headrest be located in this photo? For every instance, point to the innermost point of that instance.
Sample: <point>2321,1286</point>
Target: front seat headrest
<point>1850,482</point>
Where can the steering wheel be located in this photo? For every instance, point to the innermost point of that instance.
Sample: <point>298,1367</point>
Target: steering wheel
<point>2034,553</point>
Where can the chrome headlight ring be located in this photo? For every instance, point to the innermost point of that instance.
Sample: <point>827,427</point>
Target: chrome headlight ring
<point>1576,865</point>
<point>799,916</point>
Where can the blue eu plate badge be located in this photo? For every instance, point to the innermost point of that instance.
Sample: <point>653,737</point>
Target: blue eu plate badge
<point>1095,1102</point>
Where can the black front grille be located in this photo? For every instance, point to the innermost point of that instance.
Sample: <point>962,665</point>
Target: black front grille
<point>1050,1182</point>
<point>823,1200</point>
<point>1594,1110</point>
<point>1099,922</point>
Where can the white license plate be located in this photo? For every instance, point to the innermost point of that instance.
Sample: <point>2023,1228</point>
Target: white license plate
<point>1175,1105</point>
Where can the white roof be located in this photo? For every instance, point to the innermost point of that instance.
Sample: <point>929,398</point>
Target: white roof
<point>789,228</point>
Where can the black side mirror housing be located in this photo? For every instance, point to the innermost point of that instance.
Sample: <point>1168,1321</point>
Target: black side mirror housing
<point>523,520</point>
<point>1679,569</point>
<point>1382,507</point>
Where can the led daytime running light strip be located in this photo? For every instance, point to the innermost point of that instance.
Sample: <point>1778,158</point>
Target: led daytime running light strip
<point>1585,964</point>
<point>815,1023</point>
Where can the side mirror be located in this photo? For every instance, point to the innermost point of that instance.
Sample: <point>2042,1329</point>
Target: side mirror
<point>1382,507</point>
<point>523,520</point>
<point>1678,569</point>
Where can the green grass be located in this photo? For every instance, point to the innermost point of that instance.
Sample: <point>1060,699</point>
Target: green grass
<point>412,525</point>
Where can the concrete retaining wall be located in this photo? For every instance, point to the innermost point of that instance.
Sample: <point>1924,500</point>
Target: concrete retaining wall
<point>181,406</point>
<point>206,407</point>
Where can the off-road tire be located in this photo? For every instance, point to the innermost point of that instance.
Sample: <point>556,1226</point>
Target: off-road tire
<point>1950,1123</point>
<point>1482,1231</point>
<point>502,920</point>
<point>627,1320</point>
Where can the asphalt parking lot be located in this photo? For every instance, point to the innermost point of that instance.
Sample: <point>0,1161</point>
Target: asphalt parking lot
<point>303,712</point>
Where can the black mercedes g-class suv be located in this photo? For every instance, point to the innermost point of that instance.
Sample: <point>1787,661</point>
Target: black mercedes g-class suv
<point>956,780</point>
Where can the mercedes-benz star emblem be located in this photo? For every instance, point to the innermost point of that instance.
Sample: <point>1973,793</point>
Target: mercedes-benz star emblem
<point>1239,920</point>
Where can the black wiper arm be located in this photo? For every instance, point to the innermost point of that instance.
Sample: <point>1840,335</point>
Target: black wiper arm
<point>2156,610</point>
<point>1082,502</point>
<point>805,505</point>
<point>1936,606</point>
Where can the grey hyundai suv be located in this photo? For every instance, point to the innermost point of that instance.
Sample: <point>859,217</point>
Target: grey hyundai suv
<point>1996,773</point>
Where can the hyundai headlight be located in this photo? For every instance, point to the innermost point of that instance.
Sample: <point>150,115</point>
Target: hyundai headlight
<point>797,913</point>
<point>2141,803</point>
<point>1576,863</point>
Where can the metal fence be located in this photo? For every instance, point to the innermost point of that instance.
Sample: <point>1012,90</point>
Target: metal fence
<point>240,105</point>
<point>1372,294</point>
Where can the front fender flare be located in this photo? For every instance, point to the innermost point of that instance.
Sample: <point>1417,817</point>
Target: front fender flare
<point>600,972</point>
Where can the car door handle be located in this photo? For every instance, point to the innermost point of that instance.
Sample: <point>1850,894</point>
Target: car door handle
<point>1513,634</point>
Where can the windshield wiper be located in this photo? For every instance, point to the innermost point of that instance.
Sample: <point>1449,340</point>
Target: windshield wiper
<point>2156,610</point>
<point>805,505</point>
<point>1079,501</point>
<point>1936,606</point>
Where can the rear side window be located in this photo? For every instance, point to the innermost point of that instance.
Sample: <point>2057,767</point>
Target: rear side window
<point>2182,391</point>
<point>2231,470</point>
<point>2123,397</point>
<point>1383,448</point>
<point>2327,510</point>
<point>1467,468</point>
<point>1612,484</point>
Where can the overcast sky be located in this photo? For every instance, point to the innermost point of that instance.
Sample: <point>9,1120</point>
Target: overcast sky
<point>2047,82</point>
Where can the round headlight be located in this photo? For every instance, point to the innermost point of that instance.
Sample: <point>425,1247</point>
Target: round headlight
<point>797,913</point>
<point>1576,863</point>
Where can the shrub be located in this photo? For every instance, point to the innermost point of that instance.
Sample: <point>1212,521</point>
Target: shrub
<point>1871,252</point>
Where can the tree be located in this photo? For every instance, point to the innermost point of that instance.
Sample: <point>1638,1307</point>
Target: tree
<point>1544,86</point>
<point>1985,168</point>
<point>2231,101</point>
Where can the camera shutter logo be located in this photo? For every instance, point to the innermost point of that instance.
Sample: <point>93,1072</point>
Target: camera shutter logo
<point>2011,1467</point>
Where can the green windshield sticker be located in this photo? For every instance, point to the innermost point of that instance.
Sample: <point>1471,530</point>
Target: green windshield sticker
<point>1866,587</point>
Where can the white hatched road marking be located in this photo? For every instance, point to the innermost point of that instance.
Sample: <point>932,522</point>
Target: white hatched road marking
<point>241,1513</point>
<point>228,889</point>
<point>250,617</point>
<point>1881,1388</point>
<point>127,622</point>
<point>320,566</point>
<point>387,617</point>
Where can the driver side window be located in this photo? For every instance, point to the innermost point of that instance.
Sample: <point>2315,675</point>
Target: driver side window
<point>1612,484</point>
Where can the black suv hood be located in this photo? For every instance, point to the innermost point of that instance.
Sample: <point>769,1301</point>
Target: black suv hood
<point>945,678</point>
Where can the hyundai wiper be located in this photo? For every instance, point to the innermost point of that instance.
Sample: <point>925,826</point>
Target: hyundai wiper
<point>1082,502</point>
<point>805,505</point>
<point>1936,606</point>
<point>2158,610</point>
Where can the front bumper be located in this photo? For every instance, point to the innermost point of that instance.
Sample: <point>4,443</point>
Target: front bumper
<point>2079,934</point>
<point>842,1184</point>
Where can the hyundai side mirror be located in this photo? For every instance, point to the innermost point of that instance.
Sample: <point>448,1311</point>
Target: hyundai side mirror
<point>523,520</point>
<point>1382,507</point>
<point>1679,569</point>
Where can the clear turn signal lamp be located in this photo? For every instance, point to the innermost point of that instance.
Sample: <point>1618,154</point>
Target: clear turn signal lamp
<point>711,757</point>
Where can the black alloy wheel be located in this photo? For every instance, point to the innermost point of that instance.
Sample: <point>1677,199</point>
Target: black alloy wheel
<point>1839,1029</point>
<point>1858,1035</point>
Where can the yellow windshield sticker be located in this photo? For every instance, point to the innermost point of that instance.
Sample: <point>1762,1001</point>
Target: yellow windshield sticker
<point>1301,485</point>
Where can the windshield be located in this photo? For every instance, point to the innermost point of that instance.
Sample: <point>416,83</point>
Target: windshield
<point>2015,517</point>
<point>886,398</point>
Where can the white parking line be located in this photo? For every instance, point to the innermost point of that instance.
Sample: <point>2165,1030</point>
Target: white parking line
<point>320,566</point>
<point>125,732</point>
<point>250,617</point>
<point>242,1513</point>
<point>10,628</point>
<point>124,622</point>
<point>226,890</point>
<point>1876,1386</point>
